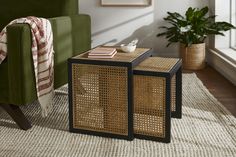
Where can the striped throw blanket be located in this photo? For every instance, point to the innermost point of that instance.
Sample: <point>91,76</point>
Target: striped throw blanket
<point>42,52</point>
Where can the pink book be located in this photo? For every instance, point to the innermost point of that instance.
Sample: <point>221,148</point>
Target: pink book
<point>103,56</point>
<point>102,51</point>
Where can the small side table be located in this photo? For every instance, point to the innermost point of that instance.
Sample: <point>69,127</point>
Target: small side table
<point>157,97</point>
<point>101,94</point>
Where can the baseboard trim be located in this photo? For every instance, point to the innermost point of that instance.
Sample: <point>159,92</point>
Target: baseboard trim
<point>222,65</point>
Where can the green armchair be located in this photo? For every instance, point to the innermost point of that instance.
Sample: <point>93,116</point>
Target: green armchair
<point>71,36</point>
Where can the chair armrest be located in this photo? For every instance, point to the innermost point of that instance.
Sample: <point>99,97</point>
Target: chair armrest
<point>63,47</point>
<point>81,33</point>
<point>21,79</point>
<point>20,65</point>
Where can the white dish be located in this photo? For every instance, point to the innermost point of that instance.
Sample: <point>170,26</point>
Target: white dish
<point>128,48</point>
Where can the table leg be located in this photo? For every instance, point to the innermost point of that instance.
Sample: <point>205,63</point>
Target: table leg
<point>179,93</point>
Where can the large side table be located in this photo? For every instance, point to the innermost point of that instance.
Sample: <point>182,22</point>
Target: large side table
<point>101,94</point>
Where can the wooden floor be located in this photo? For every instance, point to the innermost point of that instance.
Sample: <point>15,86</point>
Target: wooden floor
<point>220,87</point>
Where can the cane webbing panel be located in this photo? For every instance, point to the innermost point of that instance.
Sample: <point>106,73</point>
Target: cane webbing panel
<point>100,98</point>
<point>149,105</point>
<point>120,56</point>
<point>173,93</point>
<point>157,64</point>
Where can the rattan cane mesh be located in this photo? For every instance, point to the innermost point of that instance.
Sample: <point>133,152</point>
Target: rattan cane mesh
<point>100,98</point>
<point>157,64</point>
<point>149,105</point>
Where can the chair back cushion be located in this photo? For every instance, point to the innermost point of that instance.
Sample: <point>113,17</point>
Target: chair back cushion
<point>12,9</point>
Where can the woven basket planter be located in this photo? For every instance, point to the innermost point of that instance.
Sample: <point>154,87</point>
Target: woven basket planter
<point>193,56</point>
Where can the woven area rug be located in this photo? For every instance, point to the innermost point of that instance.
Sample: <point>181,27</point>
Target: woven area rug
<point>206,129</point>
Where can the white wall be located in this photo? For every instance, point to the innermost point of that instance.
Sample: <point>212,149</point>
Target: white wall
<point>116,25</point>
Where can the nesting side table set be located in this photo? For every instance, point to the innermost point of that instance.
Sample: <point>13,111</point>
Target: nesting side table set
<point>125,96</point>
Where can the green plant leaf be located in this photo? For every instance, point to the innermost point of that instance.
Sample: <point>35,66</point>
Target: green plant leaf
<point>211,17</point>
<point>164,27</point>
<point>175,15</point>
<point>193,28</point>
<point>168,44</point>
<point>189,13</point>
<point>203,12</point>
<point>161,34</point>
<point>223,26</point>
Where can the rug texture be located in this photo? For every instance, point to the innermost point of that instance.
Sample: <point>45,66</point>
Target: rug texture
<point>207,129</point>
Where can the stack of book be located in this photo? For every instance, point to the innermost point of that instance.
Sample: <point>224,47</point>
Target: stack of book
<point>102,52</point>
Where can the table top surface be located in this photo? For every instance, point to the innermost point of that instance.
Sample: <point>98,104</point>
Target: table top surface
<point>158,64</point>
<point>120,56</point>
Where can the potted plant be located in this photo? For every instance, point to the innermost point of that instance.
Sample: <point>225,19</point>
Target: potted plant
<point>191,31</point>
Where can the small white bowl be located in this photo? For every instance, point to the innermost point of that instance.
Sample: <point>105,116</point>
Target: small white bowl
<point>128,48</point>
